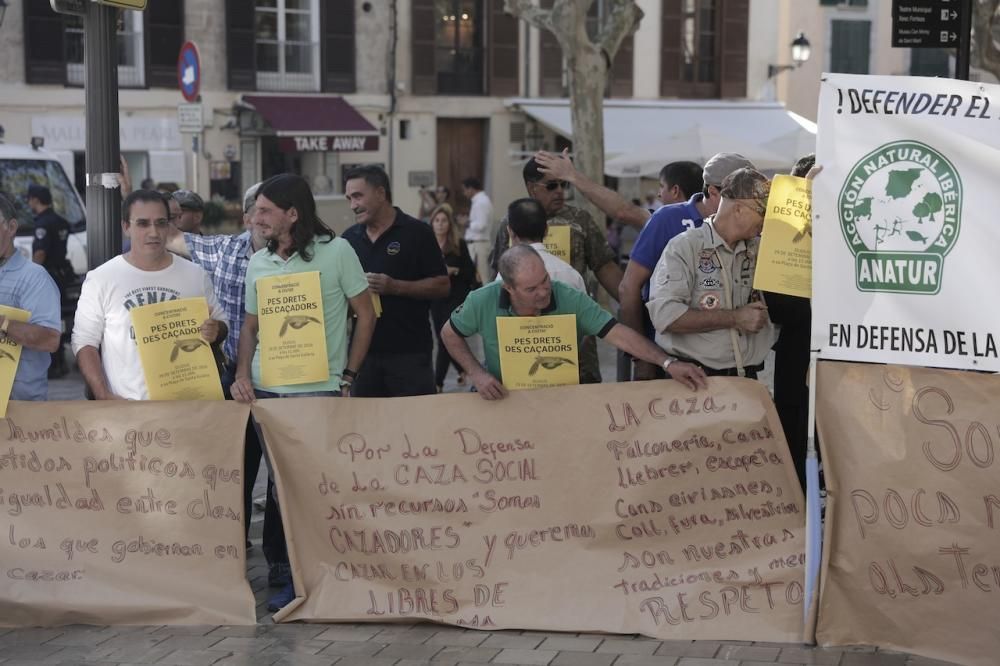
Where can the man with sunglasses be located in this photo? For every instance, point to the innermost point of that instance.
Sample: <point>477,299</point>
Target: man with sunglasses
<point>701,301</point>
<point>103,339</point>
<point>588,248</point>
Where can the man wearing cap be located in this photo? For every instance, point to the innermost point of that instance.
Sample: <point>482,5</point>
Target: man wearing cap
<point>667,222</point>
<point>701,301</point>
<point>49,249</point>
<point>192,211</point>
<point>26,286</point>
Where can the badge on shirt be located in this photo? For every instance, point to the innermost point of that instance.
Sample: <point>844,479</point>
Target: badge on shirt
<point>710,283</point>
<point>393,248</point>
<point>710,301</point>
<point>706,262</point>
<point>40,233</point>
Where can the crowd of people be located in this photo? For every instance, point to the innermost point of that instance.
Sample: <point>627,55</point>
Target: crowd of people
<point>392,284</point>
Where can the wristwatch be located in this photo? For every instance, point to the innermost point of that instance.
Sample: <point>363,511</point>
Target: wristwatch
<point>666,364</point>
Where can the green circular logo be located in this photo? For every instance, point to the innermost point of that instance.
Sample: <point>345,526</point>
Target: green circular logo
<point>900,213</point>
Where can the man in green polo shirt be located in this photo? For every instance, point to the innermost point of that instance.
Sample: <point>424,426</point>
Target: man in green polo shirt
<point>299,242</point>
<point>527,291</point>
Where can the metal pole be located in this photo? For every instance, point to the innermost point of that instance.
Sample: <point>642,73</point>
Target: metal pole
<point>100,37</point>
<point>962,55</point>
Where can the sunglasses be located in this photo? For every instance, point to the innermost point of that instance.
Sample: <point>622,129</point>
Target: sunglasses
<point>553,184</point>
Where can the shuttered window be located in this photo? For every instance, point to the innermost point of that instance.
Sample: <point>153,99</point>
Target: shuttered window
<point>148,44</point>
<point>291,45</point>
<point>464,47</point>
<point>850,46</point>
<point>704,48</point>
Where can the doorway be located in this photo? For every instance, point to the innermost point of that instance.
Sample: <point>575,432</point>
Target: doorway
<point>460,155</point>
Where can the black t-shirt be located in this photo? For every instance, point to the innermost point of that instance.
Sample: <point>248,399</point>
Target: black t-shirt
<point>51,232</point>
<point>407,251</point>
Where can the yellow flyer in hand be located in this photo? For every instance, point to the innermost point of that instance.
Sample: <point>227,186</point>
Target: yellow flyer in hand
<point>292,330</point>
<point>177,362</point>
<point>536,352</point>
<point>785,262</point>
<point>557,242</point>
<point>10,356</point>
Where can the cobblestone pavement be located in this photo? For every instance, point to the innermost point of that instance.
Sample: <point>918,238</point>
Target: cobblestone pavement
<point>351,644</point>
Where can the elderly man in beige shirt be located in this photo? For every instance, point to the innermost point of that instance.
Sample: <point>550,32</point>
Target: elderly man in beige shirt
<point>702,301</point>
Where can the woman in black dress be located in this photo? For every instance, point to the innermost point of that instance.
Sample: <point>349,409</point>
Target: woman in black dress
<point>462,272</point>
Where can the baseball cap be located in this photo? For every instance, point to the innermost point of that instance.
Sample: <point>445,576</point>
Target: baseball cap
<point>749,186</point>
<point>250,196</point>
<point>723,164</point>
<point>188,199</point>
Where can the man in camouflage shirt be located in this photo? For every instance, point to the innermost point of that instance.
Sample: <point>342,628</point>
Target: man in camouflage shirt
<point>588,248</point>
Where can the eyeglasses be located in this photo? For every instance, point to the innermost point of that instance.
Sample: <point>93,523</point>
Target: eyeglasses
<point>553,184</point>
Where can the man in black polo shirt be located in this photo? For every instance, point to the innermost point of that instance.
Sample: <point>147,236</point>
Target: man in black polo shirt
<point>406,270</point>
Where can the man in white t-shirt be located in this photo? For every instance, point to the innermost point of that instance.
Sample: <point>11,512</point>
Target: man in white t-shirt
<point>527,224</point>
<point>103,339</point>
<point>479,234</point>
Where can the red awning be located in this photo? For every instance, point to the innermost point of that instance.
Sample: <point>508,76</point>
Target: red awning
<point>310,116</point>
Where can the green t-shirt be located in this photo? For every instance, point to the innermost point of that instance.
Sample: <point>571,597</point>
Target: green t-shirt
<point>479,312</point>
<point>340,277</point>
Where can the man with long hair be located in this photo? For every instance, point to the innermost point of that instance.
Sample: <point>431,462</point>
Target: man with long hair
<point>299,242</point>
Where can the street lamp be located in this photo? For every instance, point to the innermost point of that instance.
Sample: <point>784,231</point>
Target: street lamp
<point>3,10</point>
<point>801,49</point>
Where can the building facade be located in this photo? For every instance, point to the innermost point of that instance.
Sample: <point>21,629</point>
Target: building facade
<point>427,88</point>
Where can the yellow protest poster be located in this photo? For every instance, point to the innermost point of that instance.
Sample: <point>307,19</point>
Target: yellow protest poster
<point>785,262</point>
<point>557,241</point>
<point>292,330</point>
<point>177,362</point>
<point>536,352</point>
<point>377,304</point>
<point>10,356</point>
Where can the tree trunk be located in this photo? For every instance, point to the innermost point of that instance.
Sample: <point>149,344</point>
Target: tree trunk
<point>588,77</point>
<point>587,61</point>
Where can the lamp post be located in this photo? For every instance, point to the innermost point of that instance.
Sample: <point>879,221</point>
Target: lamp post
<point>801,50</point>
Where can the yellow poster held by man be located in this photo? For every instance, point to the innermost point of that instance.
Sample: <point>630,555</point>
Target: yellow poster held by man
<point>557,242</point>
<point>292,330</point>
<point>785,262</point>
<point>536,352</point>
<point>10,357</point>
<point>177,361</point>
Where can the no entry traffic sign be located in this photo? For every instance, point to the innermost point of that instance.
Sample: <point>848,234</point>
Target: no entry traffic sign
<point>189,71</point>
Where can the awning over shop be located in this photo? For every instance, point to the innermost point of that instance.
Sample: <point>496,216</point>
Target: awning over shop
<point>315,123</point>
<point>776,136</point>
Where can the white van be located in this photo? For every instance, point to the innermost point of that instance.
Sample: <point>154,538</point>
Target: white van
<point>20,166</point>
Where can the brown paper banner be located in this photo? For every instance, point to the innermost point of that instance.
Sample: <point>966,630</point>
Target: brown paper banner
<point>638,508</point>
<point>123,513</point>
<point>911,555</point>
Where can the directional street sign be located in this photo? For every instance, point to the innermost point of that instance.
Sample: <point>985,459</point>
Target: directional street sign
<point>926,23</point>
<point>189,71</point>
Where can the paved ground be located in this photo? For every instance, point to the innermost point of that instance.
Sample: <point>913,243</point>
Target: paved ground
<point>390,644</point>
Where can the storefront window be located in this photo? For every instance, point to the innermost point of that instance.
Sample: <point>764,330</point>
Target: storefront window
<point>287,36</point>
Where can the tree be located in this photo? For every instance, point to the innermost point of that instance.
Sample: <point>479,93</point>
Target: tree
<point>588,62</point>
